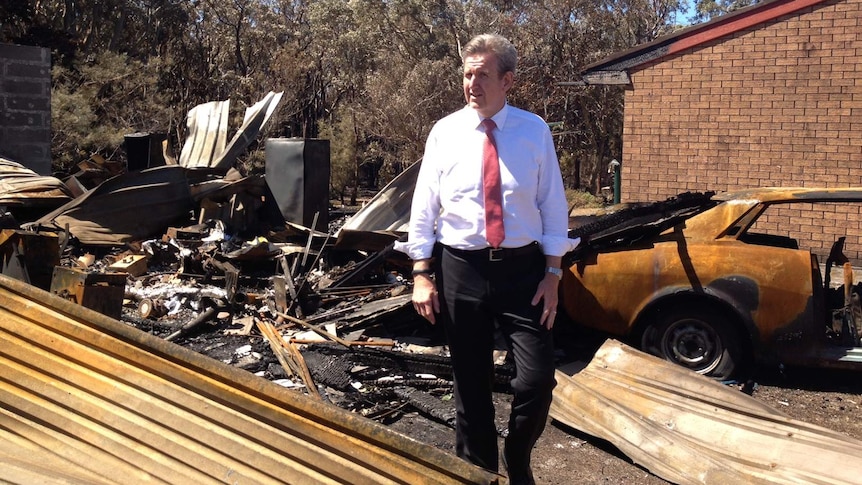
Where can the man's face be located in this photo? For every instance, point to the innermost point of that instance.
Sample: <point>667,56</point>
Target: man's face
<point>484,87</point>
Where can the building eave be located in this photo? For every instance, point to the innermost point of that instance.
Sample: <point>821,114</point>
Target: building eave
<point>614,69</point>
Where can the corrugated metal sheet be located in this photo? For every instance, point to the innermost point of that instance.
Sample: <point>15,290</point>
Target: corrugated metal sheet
<point>108,214</point>
<point>255,118</point>
<point>207,133</point>
<point>87,399</point>
<point>689,429</point>
<point>384,218</point>
<point>20,186</point>
<point>389,209</point>
<point>207,124</point>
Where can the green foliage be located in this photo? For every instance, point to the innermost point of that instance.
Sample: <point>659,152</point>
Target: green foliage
<point>97,102</point>
<point>254,163</point>
<point>581,199</point>
<point>706,10</point>
<point>342,154</point>
<point>370,76</point>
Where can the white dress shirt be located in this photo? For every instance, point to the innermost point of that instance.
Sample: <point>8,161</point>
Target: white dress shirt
<point>448,194</point>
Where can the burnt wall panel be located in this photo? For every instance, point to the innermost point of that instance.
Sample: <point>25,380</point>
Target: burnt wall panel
<point>144,150</point>
<point>297,174</point>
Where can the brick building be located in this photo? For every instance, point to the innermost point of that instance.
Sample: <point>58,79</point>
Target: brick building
<point>770,95</point>
<point>25,106</point>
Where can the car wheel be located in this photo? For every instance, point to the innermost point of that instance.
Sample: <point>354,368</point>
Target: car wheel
<point>700,340</point>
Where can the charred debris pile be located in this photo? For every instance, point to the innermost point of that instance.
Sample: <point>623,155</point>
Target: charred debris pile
<point>245,270</point>
<point>286,305</point>
<point>204,258</point>
<point>191,251</point>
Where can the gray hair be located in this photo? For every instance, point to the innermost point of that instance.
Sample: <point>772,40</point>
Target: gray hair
<point>507,56</point>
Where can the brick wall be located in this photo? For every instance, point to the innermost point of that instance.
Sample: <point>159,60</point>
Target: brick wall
<point>775,105</point>
<point>25,106</point>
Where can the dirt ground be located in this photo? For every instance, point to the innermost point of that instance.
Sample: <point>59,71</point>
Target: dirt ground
<point>563,456</point>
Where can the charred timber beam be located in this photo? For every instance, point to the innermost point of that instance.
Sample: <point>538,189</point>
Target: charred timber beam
<point>428,405</point>
<point>206,316</point>
<point>288,356</point>
<point>315,329</point>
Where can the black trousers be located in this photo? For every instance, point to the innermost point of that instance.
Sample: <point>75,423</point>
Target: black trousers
<point>477,296</point>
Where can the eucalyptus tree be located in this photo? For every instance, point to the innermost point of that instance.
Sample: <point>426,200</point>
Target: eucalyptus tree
<point>105,79</point>
<point>391,70</point>
<point>708,9</point>
<point>556,39</point>
<point>371,75</point>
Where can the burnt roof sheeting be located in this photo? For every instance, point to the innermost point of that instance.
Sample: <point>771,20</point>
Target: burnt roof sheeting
<point>207,124</point>
<point>389,209</point>
<point>255,118</point>
<point>20,186</point>
<point>207,133</point>
<point>689,429</point>
<point>86,399</point>
<point>387,214</point>
<point>129,207</point>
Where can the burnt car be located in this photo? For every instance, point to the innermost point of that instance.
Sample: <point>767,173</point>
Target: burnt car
<point>715,282</point>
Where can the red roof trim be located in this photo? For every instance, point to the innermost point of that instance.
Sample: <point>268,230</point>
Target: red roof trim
<point>699,34</point>
<point>753,17</point>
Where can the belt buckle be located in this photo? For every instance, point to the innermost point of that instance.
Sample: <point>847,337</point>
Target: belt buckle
<point>495,254</point>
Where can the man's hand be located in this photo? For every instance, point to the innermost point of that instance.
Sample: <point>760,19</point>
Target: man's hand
<point>548,294</point>
<point>425,299</point>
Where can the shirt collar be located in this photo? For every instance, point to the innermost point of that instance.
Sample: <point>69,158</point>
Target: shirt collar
<point>499,118</point>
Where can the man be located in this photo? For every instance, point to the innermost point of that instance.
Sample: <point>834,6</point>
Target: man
<point>481,264</point>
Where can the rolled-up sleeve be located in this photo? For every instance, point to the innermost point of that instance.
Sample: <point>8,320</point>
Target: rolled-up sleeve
<point>552,203</point>
<point>425,208</point>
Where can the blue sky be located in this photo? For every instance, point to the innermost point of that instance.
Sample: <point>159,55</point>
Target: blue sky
<point>686,16</point>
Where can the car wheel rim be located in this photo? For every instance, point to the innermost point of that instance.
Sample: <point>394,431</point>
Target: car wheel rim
<point>693,344</point>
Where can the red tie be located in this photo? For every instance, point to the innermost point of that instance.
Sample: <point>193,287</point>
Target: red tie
<point>494,232</point>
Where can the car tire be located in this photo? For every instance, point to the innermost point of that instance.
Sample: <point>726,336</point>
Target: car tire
<point>700,339</point>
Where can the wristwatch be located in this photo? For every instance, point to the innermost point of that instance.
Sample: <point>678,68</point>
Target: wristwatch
<point>555,271</point>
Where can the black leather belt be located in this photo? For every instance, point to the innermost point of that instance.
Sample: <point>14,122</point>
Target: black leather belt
<point>498,254</point>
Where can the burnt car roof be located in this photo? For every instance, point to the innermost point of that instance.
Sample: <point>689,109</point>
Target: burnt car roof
<point>791,194</point>
<point>638,221</point>
<point>641,220</point>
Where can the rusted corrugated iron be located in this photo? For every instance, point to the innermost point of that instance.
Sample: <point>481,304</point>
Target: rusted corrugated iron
<point>689,429</point>
<point>86,399</point>
<point>20,187</point>
<point>102,216</point>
